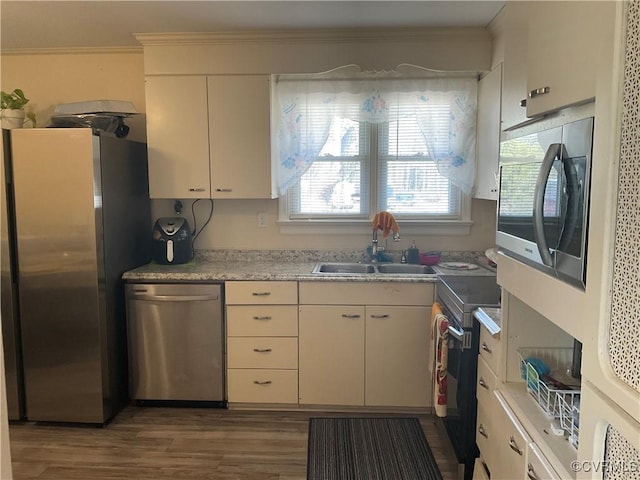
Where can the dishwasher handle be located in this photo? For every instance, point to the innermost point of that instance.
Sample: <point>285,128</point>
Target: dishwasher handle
<point>173,298</point>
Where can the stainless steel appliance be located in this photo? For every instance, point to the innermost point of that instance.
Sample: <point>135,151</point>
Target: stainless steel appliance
<point>176,342</point>
<point>172,241</point>
<point>459,296</point>
<point>543,205</point>
<point>75,217</point>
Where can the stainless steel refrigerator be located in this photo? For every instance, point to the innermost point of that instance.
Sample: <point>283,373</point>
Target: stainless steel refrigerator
<point>75,217</point>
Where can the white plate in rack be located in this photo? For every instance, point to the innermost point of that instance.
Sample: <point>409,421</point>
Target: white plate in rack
<point>458,266</point>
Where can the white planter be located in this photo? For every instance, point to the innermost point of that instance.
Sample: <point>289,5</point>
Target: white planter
<point>12,118</point>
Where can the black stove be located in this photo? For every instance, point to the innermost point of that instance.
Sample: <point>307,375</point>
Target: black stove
<point>459,296</point>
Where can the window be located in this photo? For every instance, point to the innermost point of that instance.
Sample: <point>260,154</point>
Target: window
<point>346,167</point>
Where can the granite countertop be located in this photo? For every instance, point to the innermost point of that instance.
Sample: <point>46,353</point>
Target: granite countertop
<point>220,266</point>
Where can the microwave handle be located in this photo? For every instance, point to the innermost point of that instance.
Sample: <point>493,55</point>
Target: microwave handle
<point>574,195</point>
<point>554,151</point>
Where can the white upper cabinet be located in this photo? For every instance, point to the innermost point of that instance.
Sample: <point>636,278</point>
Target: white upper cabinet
<point>488,135</point>
<point>177,136</point>
<point>239,136</point>
<point>514,69</point>
<point>208,136</point>
<point>564,39</point>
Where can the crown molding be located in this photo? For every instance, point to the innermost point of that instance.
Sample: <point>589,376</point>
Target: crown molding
<point>308,36</point>
<point>70,50</point>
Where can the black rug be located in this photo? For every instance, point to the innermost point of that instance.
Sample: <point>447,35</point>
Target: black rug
<point>369,449</point>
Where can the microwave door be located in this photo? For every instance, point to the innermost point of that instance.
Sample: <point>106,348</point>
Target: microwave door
<point>544,187</point>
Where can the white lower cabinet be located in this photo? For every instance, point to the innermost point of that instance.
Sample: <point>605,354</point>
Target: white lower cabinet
<point>262,342</point>
<point>369,353</point>
<point>510,443</point>
<point>331,355</point>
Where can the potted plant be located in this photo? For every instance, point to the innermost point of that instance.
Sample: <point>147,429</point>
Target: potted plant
<point>12,109</point>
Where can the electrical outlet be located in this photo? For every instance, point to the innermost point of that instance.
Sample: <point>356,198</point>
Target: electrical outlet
<point>262,220</point>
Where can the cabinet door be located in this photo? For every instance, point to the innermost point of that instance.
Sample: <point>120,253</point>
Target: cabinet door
<point>397,356</point>
<point>177,136</point>
<point>331,358</point>
<point>239,135</point>
<point>488,135</point>
<point>514,67</point>
<point>563,52</point>
<point>511,442</point>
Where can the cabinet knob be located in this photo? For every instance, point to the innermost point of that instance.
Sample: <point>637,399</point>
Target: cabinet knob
<point>482,383</point>
<point>539,91</point>
<point>227,190</point>
<point>197,189</point>
<point>485,347</point>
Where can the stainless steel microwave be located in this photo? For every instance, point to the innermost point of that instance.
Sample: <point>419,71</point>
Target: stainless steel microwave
<point>543,206</point>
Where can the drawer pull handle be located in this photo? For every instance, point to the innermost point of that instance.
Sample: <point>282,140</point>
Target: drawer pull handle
<point>350,315</point>
<point>531,473</point>
<point>261,294</point>
<point>262,318</point>
<point>262,350</point>
<point>539,91</point>
<point>485,347</point>
<point>482,383</point>
<point>262,382</point>
<point>482,431</point>
<point>380,316</point>
<point>225,190</point>
<point>196,189</point>
<point>514,446</point>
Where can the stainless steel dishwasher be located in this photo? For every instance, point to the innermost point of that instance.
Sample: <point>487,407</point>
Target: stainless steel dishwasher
<point>176,342</point>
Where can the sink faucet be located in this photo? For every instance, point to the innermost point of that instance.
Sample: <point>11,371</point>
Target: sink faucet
<point>386,222</point>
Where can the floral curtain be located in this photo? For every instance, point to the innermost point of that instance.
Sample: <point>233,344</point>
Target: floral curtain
<point>303,106</point>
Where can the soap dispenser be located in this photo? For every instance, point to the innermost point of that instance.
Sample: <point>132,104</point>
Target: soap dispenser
<point>413,253</point>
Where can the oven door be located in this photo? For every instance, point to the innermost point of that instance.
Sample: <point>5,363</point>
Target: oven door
<point>462,362</point>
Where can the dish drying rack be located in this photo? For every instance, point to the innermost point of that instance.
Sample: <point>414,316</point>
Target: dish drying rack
<point>558,403</point>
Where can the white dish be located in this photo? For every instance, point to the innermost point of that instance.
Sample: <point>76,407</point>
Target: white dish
<point>458,266</point>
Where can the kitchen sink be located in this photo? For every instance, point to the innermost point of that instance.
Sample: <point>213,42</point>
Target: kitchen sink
<point>405,268</point>
<point>344,268</point>
<point>369,268</point>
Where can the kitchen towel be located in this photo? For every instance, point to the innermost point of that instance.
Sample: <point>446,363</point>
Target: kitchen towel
<point>386,222</point>
<point>439,334</point>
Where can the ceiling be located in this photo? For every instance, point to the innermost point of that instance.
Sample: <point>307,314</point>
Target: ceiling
<point>94,24</point>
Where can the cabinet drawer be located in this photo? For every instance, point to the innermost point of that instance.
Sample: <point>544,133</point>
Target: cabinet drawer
<point>262,352</point>
<point>485,436</point>
<point>479,472</point>
<point>392,293</point>
<point>262,321</point>
<point>490,348</point>
<point>262,386</point>
<point>486,384</point>
<point>267,293</point>
<point>510,443</point>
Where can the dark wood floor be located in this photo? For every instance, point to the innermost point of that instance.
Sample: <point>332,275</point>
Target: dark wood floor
<point>183,443</point>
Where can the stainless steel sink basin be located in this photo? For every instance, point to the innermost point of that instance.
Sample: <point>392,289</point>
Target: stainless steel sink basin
<point>346,268</point>
<point>349,268</point>
<point>405,268</point>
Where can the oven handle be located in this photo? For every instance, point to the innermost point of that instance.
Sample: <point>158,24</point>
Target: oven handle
<point>555,150</point>
<point>455,333</point>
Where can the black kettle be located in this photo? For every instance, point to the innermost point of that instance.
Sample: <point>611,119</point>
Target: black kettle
<point>172,241</point>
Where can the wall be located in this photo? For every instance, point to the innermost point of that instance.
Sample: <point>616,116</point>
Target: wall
<point>50,79</point>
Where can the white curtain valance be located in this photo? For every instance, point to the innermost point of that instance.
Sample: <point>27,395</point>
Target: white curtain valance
<point>303,107</point>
